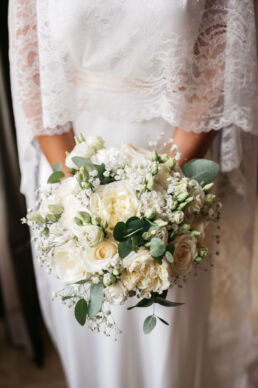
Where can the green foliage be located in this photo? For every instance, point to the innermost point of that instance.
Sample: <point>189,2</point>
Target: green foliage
<point>37,218</point>
<point>56,209</point>
<point>202,170</point>
<point>57,167</point>
<point>124,248</point>
<point>163,321</point>
<point>149,324</point>
<point>169,257</point>
<point>55,177</point>
<point>80,311</point>
<point>129,234</point>
<point>157,249</point>
<point>96,299</point>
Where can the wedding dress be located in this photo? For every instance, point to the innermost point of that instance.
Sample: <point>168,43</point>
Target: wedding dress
<point>133,71</point>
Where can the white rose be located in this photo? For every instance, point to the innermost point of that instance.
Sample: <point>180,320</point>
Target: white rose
<point>89,234</point>
<point>185,253</point>
<point>114,202</point>
<point>67,263</point>
<point>141,271</point>
<point>86,149</point>
<point>134,152</point>
<point>116,294</point>
<point>100,257</point>
<point>197,193</point>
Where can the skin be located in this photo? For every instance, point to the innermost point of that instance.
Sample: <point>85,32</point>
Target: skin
<point>191,145</point>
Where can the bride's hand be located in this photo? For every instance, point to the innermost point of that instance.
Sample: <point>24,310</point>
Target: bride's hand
<point>55,146</point>
<point>193,145</point>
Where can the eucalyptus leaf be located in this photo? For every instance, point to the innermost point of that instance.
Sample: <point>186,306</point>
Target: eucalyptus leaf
<point>167,303</point>
<point>149,324</point>
<point>82,281</point>
<point>55,177</point>
<point>120,231</point>
<point>143,303</point>
<point>157,248</point>
<point>163,321</point>
<point>202,170</point>
<point>56,209</point>
<point>57,167</point>
<point>124,248</point>
<point>96,299</point>
<point>80,311</point>
<point>37,218</point>
<point>169,257</point>
<point>67,297</point>
<point>79,161</point>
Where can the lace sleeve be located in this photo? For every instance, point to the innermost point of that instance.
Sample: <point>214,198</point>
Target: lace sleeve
<point>224,71</point>
<point>25,70</point>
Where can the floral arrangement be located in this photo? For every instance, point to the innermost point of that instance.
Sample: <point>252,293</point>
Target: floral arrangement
<point>128,223</point>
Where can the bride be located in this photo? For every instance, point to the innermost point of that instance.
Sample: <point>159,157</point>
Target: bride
<point>144,72</point>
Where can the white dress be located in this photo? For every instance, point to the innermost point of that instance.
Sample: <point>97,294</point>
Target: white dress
<point>133,71</point>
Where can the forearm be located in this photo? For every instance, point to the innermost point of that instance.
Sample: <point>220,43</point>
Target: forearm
<point>54,147</point>
<point>193,145</point>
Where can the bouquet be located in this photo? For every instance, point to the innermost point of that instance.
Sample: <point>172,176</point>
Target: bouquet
<point>128,223</point>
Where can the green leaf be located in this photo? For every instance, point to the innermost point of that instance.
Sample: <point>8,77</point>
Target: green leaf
<point>137,241</point>
<point>51,217</point>
<point>79,161</point>
<point>149,324</point>
<point>96,299</point>
<point>55,177</point>
<point>37,218</point>
<point>202,170</point>
<point>120,231</point>
<point>80,311</point>
<point>157,248</point>
<point>143,303</point>
<point>68,297</point>
<point>57,167</point>
<point>124,248</point>
<point>166,303</point>
<point>82,281</point>
<point>163,321</point>
<point>56,209</point>
<point>134,223</point>
<point>169,257</point>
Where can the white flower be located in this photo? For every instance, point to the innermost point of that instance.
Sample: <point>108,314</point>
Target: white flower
<point>116,294</point>
<point>100,257</point>
<point>141,271</point>
<point>195,191</point>
<point>163,176</point>
<point>114,202</point>
<point>185,253</point>
<point>134,152</point>
<point>95,142</point>
<point>86,149</point>
<point>89,234</point>
<point>177,217</point>
<point>67,263</point>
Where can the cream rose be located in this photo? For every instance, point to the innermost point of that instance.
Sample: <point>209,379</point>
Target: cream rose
<point>114,202</point>
<point>100,257</point>
<point>67,263</point>
<point>116,294</point>
<point>185,253</point>
<point>135,152</point>
<point>141,271</point>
